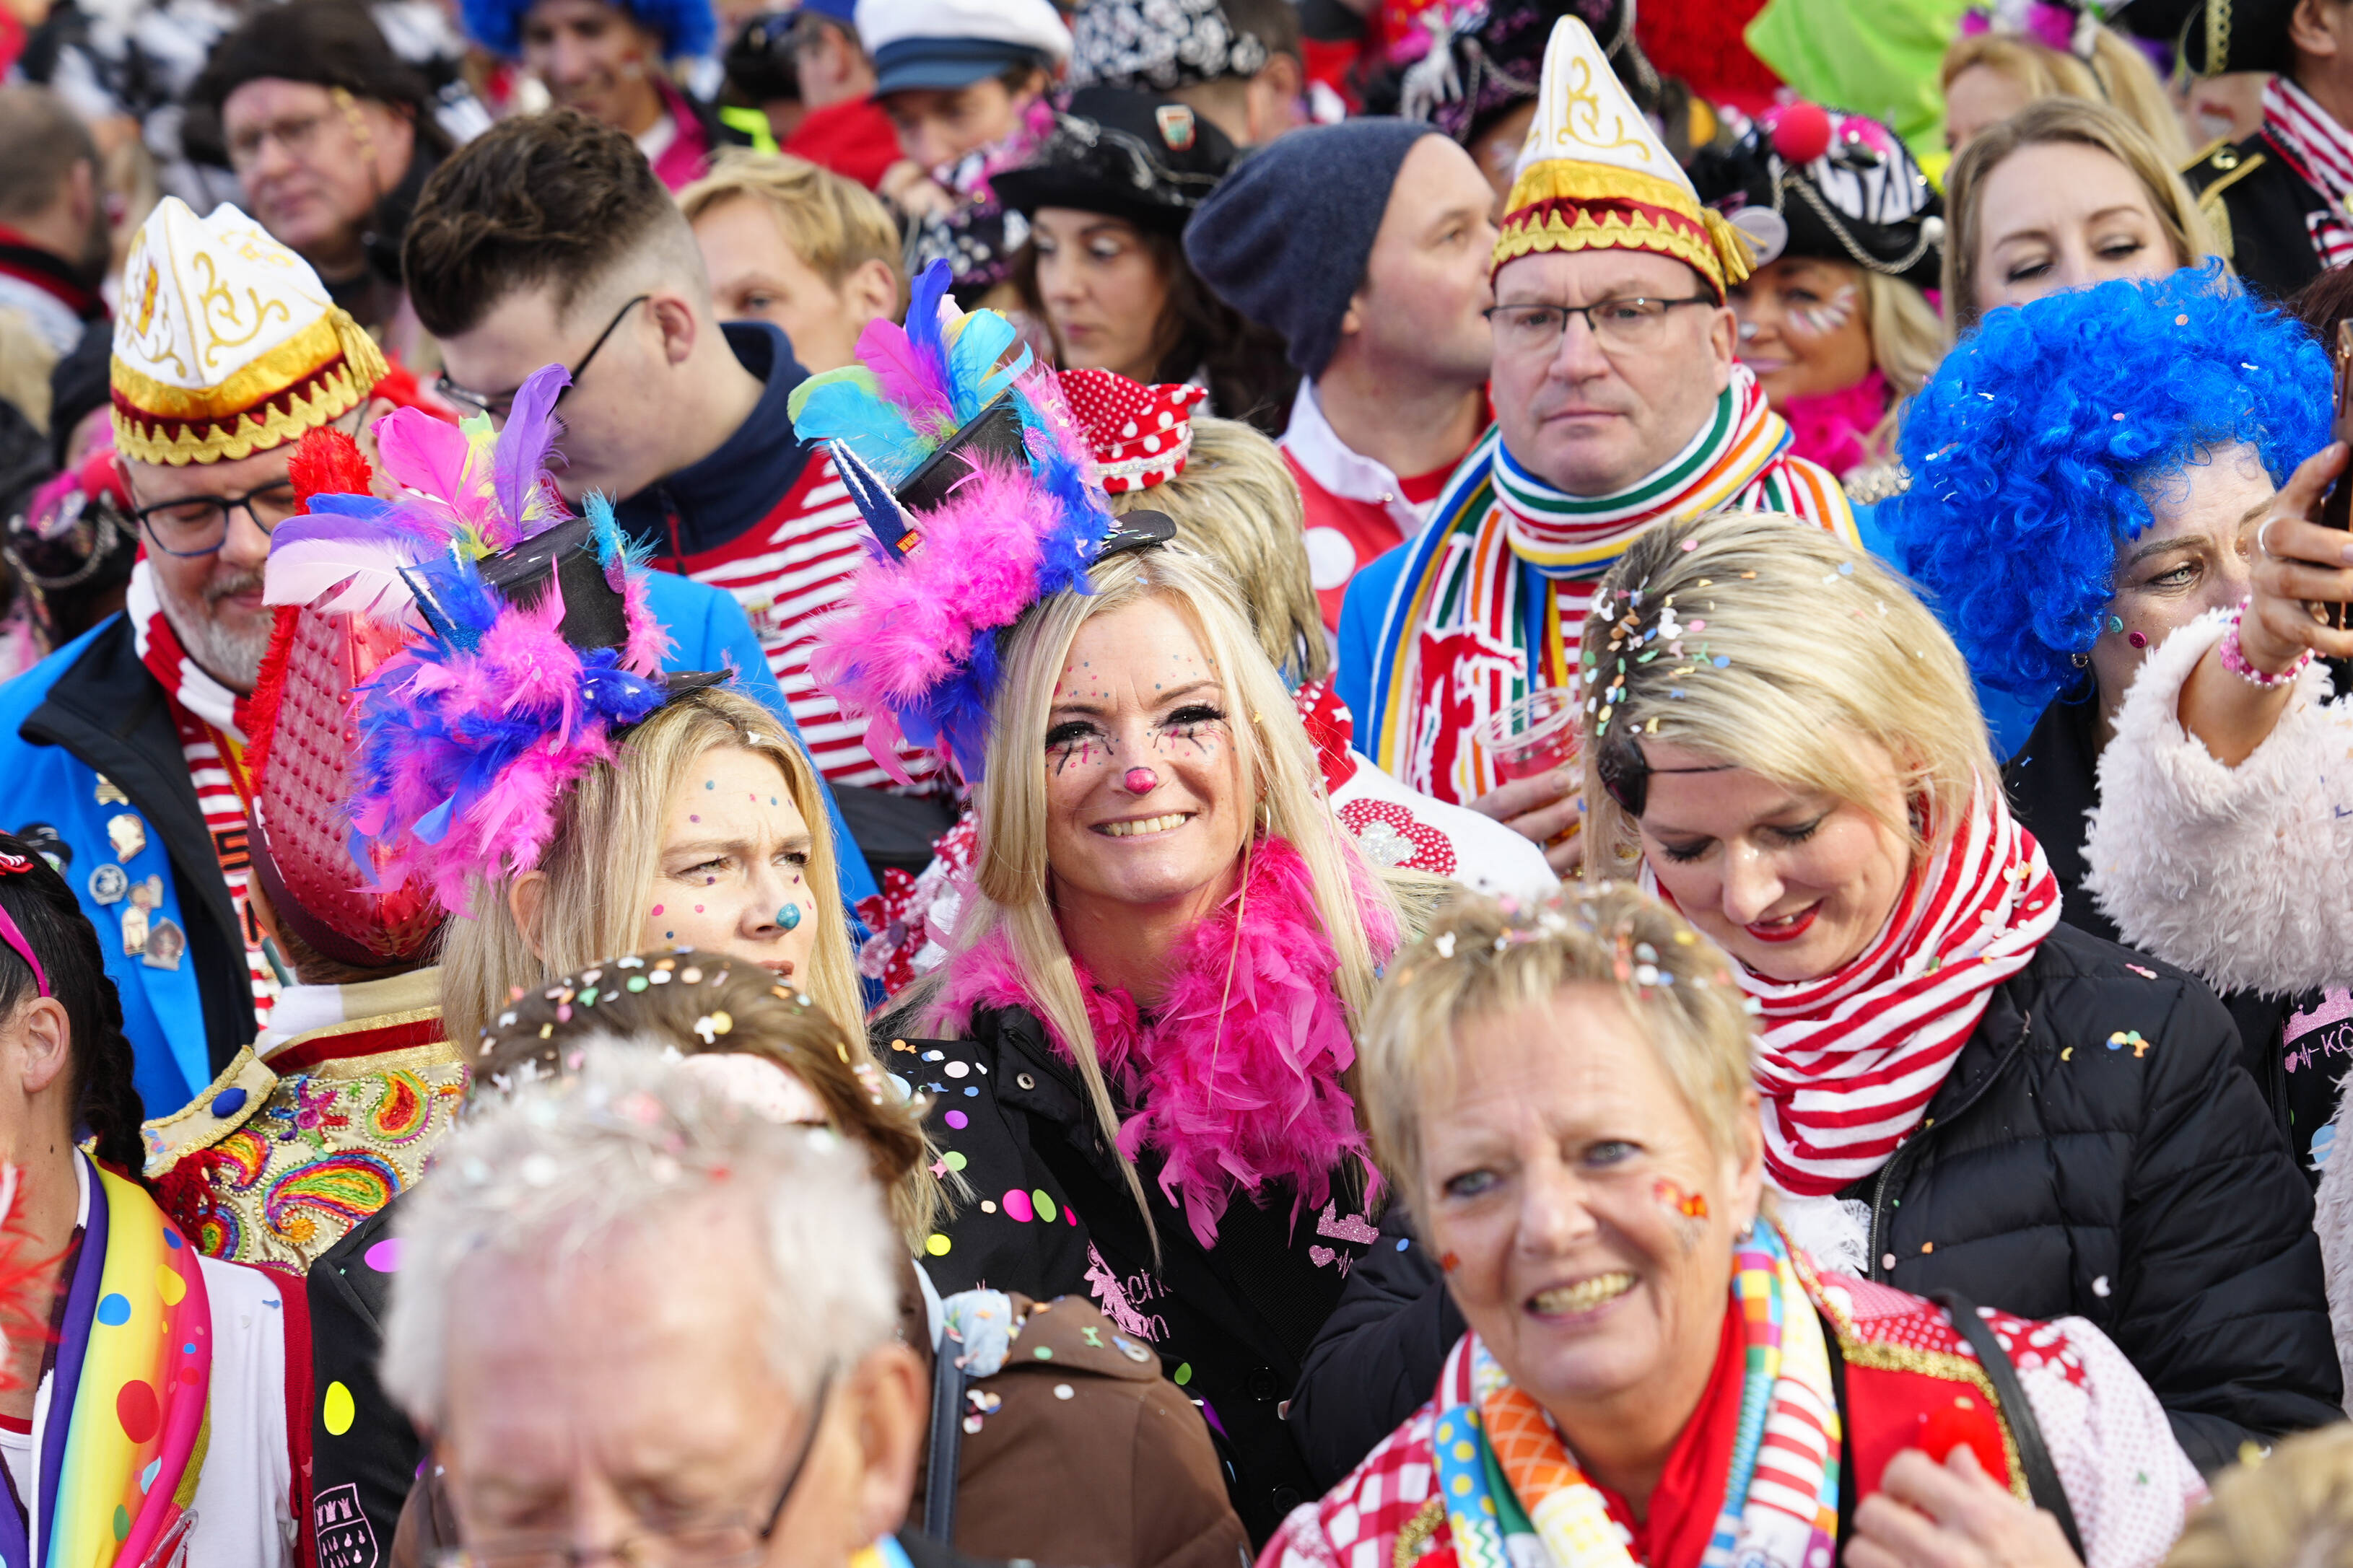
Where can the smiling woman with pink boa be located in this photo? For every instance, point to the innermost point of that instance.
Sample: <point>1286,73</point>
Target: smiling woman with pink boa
<point>1145,1063</point>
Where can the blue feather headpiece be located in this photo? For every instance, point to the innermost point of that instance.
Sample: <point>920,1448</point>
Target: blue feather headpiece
<point>980,489</point>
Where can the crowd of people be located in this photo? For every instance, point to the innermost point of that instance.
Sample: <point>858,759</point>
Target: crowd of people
<point>1172,784</point>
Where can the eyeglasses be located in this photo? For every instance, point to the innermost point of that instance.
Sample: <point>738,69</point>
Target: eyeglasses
<point>499,405</point>
<point>730,1541</point>
<point>1630,324</point>
<point>298,133</point>
<point>198,525</point>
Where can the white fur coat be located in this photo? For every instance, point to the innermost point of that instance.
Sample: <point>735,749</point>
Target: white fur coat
<point>2243,876</point>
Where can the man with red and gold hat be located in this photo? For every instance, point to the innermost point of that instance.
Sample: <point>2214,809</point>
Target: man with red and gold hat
<point>1619,402</point>
<point>126,743</point>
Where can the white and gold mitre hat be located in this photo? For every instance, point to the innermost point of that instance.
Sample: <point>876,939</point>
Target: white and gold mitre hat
<point>226,344</point>
<point>1593,176</point>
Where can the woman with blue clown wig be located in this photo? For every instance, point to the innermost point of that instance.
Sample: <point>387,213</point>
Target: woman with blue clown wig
<point>611,60</point>
<point>2080,468</point>
<point>2084,467</point>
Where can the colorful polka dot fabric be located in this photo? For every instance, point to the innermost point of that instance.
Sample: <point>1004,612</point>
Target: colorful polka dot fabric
<point>135,1352</point>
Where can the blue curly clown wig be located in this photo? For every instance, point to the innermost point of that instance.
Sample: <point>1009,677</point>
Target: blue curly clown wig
<point>686,28</point>
<point>2031,448</point>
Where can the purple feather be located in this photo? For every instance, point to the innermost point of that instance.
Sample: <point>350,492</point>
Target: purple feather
<point>529,436</point>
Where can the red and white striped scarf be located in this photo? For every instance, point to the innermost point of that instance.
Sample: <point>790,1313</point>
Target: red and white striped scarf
<point>1852,1059</point>
<point>204,711</point>
<point>2322,152</point>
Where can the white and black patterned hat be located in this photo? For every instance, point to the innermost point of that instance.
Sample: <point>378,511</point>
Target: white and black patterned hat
<point>1158,44</point>
<point>1808,181</point>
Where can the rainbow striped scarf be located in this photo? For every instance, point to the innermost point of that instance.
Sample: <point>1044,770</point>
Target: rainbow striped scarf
<point>131,1368</point>
<point>1492,599</point>
<point>1504,1471</point>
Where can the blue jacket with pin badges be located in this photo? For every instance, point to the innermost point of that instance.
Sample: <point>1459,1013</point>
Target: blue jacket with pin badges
<point>91,711</point>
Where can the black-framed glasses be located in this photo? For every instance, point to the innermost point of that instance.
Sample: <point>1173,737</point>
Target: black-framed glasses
<point>1631,323</point>
<point>727,1541</point>
<point>198,525</point>
<point>499,405</point>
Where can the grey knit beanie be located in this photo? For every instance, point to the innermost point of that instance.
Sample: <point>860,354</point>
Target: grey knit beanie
<point>1285,239</point>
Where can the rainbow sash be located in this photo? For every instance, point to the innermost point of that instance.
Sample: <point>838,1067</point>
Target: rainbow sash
<point>1491,596</point>
<point>131,1368</point>
<point>1504,1471</point>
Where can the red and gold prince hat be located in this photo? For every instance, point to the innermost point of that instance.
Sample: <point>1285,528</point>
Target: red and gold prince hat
<point>1593,175</point>
<point>226,344</point>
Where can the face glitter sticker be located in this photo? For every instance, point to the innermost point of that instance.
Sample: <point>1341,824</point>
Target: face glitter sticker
<point>1819,320</point>
<point>1447,1262</point>
<point>789,917</point>
<point>1688,1210</point>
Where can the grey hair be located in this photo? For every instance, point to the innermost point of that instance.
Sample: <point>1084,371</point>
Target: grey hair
<point>622,1144</point>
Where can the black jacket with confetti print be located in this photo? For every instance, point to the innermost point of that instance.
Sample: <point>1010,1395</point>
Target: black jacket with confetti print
<point>1051,1215</point>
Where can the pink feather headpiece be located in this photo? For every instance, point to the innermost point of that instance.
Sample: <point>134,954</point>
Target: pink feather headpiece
<point>981,490</point>
<point>528,641</point>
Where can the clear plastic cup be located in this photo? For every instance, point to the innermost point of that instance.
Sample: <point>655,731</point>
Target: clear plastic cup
<point>1533,735</point>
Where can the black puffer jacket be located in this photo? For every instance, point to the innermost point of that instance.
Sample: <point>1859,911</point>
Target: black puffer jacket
<point>2097,1151</point>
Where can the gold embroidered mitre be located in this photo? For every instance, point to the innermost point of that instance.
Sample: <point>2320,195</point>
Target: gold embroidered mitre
<point>1593,176</point>
<point>226,344</point>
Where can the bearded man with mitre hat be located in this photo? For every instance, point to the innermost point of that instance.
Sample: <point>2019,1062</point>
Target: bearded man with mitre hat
<point>124,752</point>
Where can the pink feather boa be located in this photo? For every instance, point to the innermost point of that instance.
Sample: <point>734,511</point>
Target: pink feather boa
<point>1229,1110</point>
<point>1835,428</point>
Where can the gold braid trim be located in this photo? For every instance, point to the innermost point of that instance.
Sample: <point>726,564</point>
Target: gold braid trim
<point>1725,258</point>
<point>1413,1539</point>
<point>1939,1364</point>
<point>1613,231</point>
<point>183,1497</point>
<point>239,409</point>
<point>240,436</point>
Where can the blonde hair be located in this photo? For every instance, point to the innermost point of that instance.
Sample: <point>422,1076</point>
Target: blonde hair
<point>2282,1511</point>
<point>1907,340</point>
<point>2117,75</point>
<point>835,226</point>
<point>2291,1508</point>
<point>1480,960</point>
<point>601,865</point>
<point>1907,343</point>
<point>2059,120</point>
<point>1273,756</point>
<point>1808,644</point>
<point>1237,503</point>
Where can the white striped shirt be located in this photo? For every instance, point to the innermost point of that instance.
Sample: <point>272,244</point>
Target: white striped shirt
<point>2323,151</point>
<point>787,571</point>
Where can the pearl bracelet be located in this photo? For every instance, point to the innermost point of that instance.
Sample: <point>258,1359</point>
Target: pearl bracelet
<point>2234,658</point>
